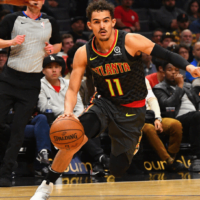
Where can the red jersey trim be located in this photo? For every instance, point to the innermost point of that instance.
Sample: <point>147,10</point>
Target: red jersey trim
<point>135,104</point>
<point>111,49</point>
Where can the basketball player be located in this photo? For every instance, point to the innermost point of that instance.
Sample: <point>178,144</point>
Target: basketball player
<point>114,58</point>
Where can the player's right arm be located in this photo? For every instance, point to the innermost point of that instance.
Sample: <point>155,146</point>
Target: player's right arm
<point>79,66</point>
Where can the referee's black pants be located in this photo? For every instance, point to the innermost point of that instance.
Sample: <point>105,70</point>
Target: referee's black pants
<point>20,91</point>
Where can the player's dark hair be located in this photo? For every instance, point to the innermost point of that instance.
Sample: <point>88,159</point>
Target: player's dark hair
<point>100,5</point>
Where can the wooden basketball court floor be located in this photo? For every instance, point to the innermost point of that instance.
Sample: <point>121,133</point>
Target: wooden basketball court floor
<point>186,189</point>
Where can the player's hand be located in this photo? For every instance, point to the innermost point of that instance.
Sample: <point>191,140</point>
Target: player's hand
<point>158,126</point>
<point>20,2</point>
<point>194,71</point>
<point>179,80</point>
<point>49,48</point>
<point>65,115</point>
<point>19,39</point>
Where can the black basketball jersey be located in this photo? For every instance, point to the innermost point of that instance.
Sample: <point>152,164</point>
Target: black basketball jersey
<point>118,76</point>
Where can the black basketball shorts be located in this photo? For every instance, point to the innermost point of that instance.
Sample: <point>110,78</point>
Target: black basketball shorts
<point>124,124</point>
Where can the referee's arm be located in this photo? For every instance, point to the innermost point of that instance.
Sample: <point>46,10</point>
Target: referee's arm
<point>55,39</point>
<point>18,40</point>
<point>6,27</point>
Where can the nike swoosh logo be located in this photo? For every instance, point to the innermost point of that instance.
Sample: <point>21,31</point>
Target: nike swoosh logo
<point>23,23</point>
<point>130,115</point>
<point>93,58</point>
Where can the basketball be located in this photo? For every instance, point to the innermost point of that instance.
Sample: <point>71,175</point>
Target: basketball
<point>67,133</point>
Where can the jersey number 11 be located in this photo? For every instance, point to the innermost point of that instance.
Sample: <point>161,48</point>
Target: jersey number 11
<point>118,86</point>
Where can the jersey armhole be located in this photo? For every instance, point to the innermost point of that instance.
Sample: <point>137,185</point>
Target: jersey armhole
<point>125,53</point>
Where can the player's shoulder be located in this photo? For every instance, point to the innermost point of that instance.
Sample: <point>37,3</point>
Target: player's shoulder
<point>133,37</point>
<point>81,54</point>
<point>81,49</point>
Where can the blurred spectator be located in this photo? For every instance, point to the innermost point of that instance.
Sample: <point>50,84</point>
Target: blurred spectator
<point>195,62</point>
<point>166,39</point>
<point>155,125</point>
<point>183,23</point>
<point>193,10</point>
<point>182,50</point>
<point>149,67</point>
<point>126,17</point>
<point>78,26</point>
<point>186,39</point>
<point>157,35</point>
<point>3,58</point>
<point>38,129</point>
<point>54,87</point>
<point>177,100</point>
<point>67,43</point>
<point>167,15</point>
<point>53,3</point>
<point>195,28</point>
<point>157,77</point>
<point>71,54</point>
<point>3,13</point>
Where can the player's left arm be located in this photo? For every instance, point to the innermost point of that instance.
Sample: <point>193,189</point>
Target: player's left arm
<point>142,44</point>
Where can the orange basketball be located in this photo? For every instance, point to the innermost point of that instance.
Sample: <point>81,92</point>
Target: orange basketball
<point>67,133</point>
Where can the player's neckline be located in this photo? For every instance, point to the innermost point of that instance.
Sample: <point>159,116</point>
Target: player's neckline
<point>111,49</point>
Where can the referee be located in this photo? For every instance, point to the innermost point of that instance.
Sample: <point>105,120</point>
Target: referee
<point>30,35</point>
